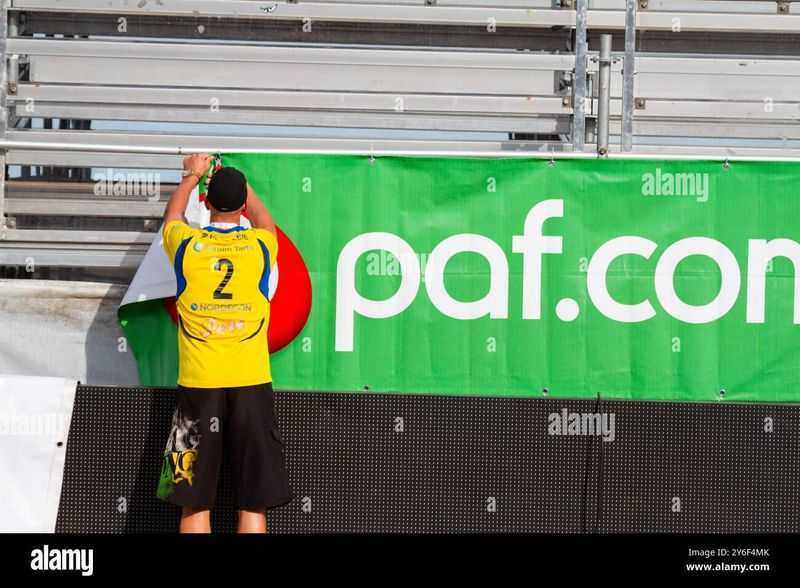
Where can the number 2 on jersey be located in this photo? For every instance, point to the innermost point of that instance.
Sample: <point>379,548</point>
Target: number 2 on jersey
<point>228,264</point>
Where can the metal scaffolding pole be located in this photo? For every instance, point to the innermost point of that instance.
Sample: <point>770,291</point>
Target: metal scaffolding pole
<point>604,94</point>
<point>178,150</point>
<point>721,155</point>
<point>628,71</point>
<point>3,109</point>
<point>579,78</point>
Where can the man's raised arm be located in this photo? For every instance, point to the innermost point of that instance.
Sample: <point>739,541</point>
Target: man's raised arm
<point>195,166</point>
<point>258,214</point>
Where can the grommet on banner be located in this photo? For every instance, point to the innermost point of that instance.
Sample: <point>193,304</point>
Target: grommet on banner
<point>552,162</point>
<point>722,394</point>
<point>545,391</point>
<point>726,164</point>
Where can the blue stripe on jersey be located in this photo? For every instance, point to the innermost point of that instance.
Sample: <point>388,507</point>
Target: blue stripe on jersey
<point>263,284</point>
<point>218,230</point>
<point>179,277</point>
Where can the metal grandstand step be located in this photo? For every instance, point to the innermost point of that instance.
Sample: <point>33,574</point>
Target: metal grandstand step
<point>768,16</point>
<point>94,84</point>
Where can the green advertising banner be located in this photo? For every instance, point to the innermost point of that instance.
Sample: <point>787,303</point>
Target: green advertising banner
<point>631,279</point>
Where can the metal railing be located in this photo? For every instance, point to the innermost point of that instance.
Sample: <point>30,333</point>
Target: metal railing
<point>532,78</point>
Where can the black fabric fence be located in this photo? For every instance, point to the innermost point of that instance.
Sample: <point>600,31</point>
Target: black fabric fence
<point>366,462</point>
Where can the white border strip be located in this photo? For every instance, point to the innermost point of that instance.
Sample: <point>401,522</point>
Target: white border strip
<point>56,479</point>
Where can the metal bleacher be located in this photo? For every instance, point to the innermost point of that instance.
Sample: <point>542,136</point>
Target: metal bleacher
<point>89,85</point>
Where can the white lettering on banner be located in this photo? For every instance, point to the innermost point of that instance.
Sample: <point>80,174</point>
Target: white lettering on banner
<point>533,244</point>
<point>349,301</point>
<point>495,303</point>
<point>729,287</point>
<point>596,279</point>
<point>760,253</point>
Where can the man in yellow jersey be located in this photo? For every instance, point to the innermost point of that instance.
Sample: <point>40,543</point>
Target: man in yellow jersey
<point>224,382</point>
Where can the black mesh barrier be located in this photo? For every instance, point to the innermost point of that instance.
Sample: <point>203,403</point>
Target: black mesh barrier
<point>366,462</point>
<point>114,451</point>
<point>710,468</point>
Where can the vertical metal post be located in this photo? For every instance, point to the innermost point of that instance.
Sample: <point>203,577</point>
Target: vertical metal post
<point>628,71</point>
<point>3,110</point>
<point>579,78</point>
<point>604,94</point>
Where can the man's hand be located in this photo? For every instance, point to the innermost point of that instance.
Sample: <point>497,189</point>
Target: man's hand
<point>196,165</point>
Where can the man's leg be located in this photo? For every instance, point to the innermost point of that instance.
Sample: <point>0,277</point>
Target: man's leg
<point>256,455</point>
<point>252,521</point>
<point>195,520</point>
<point>193,456</point>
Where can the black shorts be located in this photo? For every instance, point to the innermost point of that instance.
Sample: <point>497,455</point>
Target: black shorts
<point>239,422</point>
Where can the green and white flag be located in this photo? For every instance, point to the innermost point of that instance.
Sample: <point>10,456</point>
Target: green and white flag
<point>631,279</point>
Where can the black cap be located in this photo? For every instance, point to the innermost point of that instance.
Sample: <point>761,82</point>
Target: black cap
<point>227,190</point>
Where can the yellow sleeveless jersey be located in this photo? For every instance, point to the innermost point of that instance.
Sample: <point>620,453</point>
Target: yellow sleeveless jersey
<point>223,309</point>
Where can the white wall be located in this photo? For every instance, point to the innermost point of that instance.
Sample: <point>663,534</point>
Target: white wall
<point>64,329</point>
